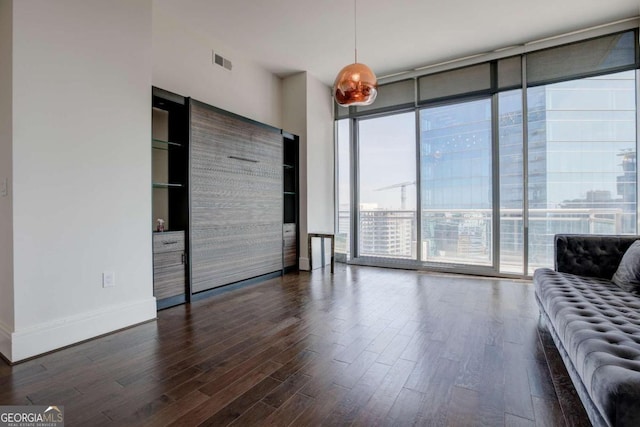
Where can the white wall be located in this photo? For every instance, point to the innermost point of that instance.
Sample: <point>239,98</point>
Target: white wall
<point>320,157</point>
<point>320,162</point>
<point>6,206</point>
<point>182,63</point>
<point>82,169</point>
<point>307,112</point>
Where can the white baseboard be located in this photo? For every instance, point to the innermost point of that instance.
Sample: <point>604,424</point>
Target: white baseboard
<point>303,264</point>
<point>43,338</point>
<point>5,342</point>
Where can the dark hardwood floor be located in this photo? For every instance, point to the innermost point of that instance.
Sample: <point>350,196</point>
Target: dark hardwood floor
<point>363,347</point>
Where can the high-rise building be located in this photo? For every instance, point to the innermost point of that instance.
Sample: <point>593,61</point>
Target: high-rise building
<point>581,166</point>
<point>387,233</point>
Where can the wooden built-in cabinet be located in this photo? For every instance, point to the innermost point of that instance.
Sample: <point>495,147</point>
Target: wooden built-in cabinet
<point>170,197</point>
<point>290,196</point>
<point>227,187</point>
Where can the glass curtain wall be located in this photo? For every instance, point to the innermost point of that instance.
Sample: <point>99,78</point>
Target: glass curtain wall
<point>456,190</point>
<point>582,160</point>
<point>343,181</point>
<point>511,177</point>
<point>387,186</point>
<point>510,153</point>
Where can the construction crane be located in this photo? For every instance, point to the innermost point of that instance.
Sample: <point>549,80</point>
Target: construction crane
<point>403,191</point>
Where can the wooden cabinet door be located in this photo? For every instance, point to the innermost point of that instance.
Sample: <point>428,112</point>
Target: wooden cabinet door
<point>290,246</point>
<point>236,198</point>
<point>168,264</point>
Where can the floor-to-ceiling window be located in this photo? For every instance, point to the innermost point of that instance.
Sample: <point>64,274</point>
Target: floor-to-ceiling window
<point>511,174</point>
<point>456,190</point>
<point>582,160</point>
<point>387,186</point>
<point>509,153</point>
<point>343,184</point>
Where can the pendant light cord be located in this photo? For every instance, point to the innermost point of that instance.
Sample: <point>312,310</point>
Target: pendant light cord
<point>355,29</point>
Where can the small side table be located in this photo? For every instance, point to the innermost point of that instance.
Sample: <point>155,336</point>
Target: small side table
<point>322,236</point>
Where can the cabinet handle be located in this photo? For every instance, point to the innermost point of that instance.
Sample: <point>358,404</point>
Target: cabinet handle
<point>173,242</point>
<point>244,159</point>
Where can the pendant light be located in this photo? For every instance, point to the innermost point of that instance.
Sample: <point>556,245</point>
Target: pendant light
<point>355,84</point>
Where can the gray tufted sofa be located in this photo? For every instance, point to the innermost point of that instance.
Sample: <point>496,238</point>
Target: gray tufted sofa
<point>595,325</point>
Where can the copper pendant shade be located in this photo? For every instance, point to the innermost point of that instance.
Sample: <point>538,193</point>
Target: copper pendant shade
<point>355,84</point>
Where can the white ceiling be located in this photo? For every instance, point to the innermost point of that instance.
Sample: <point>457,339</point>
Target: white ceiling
<point>288,36</point>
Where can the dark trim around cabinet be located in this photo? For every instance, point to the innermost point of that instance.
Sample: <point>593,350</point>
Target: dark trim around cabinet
<point>165,95</point>
<point>290,196</point>
<point>171,302</point>
<point>233,286</point>
<point>189,290</point>
<point>178,173</point>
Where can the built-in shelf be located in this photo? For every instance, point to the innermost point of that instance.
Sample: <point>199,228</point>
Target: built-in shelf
<point>290,201</point>
<point>170,181</point>
<point>164,145</point>
<point>165,185</point>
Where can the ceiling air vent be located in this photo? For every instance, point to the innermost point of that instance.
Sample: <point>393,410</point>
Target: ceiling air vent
<point>223,62</point>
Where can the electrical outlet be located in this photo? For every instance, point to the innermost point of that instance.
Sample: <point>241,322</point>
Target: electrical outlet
<point>108,279</point>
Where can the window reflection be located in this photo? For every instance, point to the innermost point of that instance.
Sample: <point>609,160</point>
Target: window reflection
<point>455,142</point>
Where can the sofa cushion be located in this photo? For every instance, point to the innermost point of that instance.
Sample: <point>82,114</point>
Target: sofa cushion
<point>598,324</point>
<point>627,276</point>
<point>590,255</point>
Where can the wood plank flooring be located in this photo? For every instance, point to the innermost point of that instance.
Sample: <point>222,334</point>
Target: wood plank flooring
<point>362,347</point>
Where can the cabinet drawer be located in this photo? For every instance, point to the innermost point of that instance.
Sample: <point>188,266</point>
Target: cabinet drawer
<point>169,241</point>
<point>168,259</point>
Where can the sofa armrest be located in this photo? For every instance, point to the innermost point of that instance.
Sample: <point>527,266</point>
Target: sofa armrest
<point>590,255</point>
